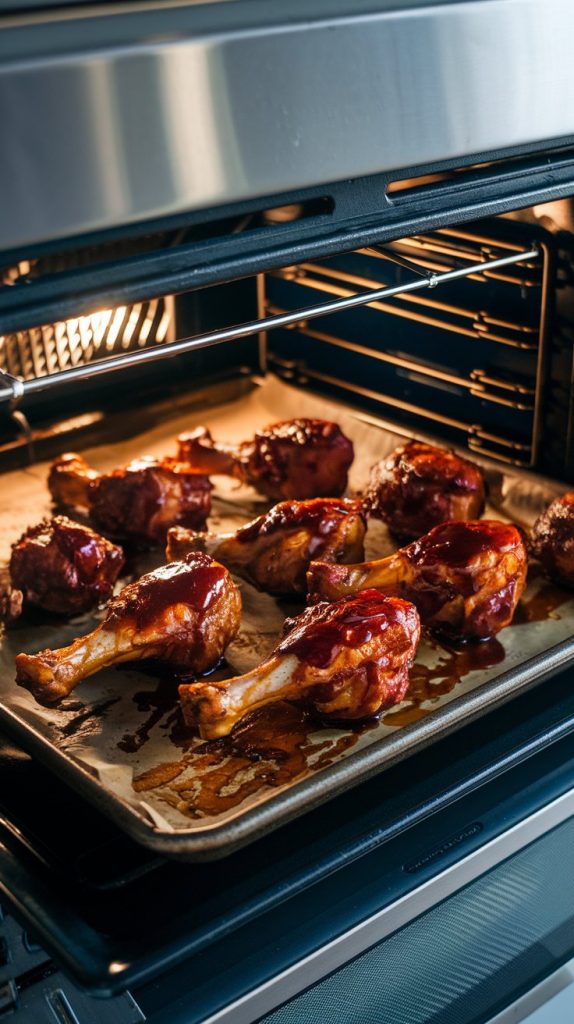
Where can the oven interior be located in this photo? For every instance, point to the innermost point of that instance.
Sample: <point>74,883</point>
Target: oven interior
<point>483,361</point>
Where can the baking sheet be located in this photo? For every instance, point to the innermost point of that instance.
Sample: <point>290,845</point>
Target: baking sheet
<point>119,738</point>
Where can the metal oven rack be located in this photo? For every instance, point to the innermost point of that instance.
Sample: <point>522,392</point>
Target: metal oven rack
<point>13,388</point>
<point>473,364</point>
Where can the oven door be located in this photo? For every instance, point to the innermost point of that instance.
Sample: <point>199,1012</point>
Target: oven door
<point>440,891</point>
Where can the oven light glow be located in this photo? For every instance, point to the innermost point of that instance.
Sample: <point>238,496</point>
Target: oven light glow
<point>79,340</point>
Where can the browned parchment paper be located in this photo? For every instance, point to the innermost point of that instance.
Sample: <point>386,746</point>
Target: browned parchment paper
<point>124,725</point>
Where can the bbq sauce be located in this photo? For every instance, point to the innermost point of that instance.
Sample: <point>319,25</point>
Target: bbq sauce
<point>317,514</point>
<point>541,604</point>
<point>428,684</point>
<point>456,544</point>
<point>198,581</point>
<point>158,702</point>
<point>317,635</point>
<point>316,448</point>
<point>269,749</point>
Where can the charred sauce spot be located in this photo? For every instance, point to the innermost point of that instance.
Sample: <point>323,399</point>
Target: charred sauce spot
<point>86,716</point>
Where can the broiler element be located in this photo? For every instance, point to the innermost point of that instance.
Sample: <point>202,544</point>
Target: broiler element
<point>464,578</point>
<point>141,501</point>
<point>347,660</point>
<point>63,567</point>
<point>302,458</point>
<point>274,551</point>
<point>419,486</point>
<point>184,614</point>
<point>552,540</point>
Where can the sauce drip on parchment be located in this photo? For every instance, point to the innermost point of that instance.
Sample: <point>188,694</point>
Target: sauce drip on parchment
<point>269,749</point>
<point>428,684</point>
<point>281,742</point>
<point>542,603</point>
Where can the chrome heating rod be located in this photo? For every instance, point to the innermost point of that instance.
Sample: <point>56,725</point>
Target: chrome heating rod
<point>13,389</point>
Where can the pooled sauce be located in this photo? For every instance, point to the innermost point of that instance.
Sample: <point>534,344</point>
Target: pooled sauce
<point>428,684</point>
<point>159,701</point>
<point>269,749</point>
<point>321,514</point>
<point>197,582</point>
<point>543,603</point>
<point>317,635</point>
<point>86,715</point>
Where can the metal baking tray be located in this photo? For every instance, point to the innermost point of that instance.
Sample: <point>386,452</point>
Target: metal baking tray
<point>119,738</point>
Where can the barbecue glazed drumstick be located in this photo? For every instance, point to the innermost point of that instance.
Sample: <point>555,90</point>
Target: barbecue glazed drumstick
<point>301,458</point>
<point>141,501</point>
<point>348,660</point>
<point>63,567</point>
<point>184,614</point>
<point>274,551</point>
<point>464,578</point>
<point>552,540</point>
<point>419,486</point>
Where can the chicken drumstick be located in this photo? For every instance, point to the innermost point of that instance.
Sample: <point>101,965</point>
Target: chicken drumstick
<point>464,578</point>
<point>64,567</point>
<point>274,551</point>
<point>419,486</point>
<point>303,458</point>
<point>184,614</point>
<point>348,660</point>
<point>141,501</point>
<point>552,540</point>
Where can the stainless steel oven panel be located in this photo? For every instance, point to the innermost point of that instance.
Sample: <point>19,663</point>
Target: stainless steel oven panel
<point>111,119</point>
<point>337,954</point>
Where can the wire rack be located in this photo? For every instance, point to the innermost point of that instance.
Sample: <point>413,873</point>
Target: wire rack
<point>470,363</point>
<point>15,386</point>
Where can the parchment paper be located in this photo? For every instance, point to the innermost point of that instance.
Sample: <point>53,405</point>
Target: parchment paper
<point>124,725</point>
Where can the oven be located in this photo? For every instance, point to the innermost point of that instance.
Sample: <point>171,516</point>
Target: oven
<point>365,205</point>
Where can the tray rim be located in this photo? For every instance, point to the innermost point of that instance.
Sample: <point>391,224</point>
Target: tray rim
<point>218,840</point>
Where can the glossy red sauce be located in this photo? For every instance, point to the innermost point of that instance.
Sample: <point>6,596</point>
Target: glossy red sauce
<point>317,635</point>
<point>436,465</point>
<point>317,514</point>
<point>314,447</point>
<point>268,749</point>
<point>303,431</point>
<point>63,566</point>
<point>148,496</point>
<point>198,581</point>
<point>456,544</point>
